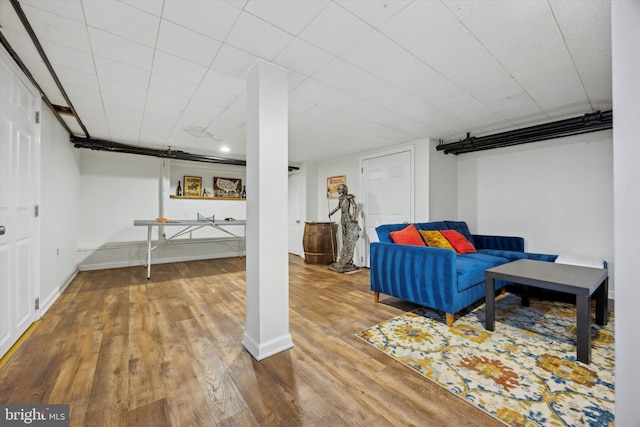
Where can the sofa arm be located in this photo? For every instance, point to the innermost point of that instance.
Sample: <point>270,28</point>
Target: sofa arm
<point>505,243</point>
<point>423,275</point>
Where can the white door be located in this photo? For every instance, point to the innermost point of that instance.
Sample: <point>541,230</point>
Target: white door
<point>296,224</point>
<point>387,195</point>
<point>19,151</point>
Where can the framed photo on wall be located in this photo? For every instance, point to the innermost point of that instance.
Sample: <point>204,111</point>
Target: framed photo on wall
<point>227,187</point>
<point>332,185</point>
<point>192,185</point>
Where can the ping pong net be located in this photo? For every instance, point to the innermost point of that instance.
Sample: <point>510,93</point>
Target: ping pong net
<point>211,218</point>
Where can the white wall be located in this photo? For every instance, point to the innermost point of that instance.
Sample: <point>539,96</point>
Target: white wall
<point>443,184</point>
<point>118,188</point>
<point>557,194</point>
<point>625,26</point>
<point>59,209</point>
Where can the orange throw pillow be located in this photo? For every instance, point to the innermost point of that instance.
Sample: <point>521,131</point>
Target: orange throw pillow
<point>407,236</point>
<point>458,241</point>
<point>435,239</point>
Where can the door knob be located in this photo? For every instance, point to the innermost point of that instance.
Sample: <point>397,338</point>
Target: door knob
<point>2,230</point>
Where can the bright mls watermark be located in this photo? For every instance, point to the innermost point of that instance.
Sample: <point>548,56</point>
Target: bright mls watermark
<point>34,415</point>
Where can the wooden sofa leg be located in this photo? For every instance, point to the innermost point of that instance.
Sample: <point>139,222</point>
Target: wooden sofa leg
<point>376,297</point>
<point>449,317</point>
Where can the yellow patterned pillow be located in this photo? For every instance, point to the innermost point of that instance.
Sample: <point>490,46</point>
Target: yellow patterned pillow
<point>435,239</point>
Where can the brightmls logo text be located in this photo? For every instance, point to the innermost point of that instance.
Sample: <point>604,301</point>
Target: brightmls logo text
<point>35,415</point>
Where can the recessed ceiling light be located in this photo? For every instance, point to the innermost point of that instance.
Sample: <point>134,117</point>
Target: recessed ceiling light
<point>225,149</point>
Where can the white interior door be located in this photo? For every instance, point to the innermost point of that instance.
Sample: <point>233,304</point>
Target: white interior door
<point>296,224</point>
<point>19,148</point>
<point>387,191</point>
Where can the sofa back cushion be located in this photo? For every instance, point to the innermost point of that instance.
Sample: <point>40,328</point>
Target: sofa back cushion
<point>384,230</point>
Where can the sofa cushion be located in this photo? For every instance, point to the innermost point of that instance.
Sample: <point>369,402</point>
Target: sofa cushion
<point>407,236</point>
<point>436,239</point>
<point>516,255</point>
<point>458,241</point>
<point>435,225</point>
<point>462,228</point>
<point>470,268</point>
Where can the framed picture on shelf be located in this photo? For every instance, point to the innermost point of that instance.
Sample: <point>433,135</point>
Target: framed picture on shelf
<point>192,186</point>
<point>333,182</point>
<point>227,187</point>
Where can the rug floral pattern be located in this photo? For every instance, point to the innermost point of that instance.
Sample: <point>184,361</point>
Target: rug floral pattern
<point>523,374</point>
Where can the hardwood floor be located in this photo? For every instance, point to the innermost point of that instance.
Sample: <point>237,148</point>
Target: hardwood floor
<point>122,350</point>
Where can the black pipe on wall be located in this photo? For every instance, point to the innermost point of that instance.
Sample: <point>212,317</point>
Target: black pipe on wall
<point>590,122</point>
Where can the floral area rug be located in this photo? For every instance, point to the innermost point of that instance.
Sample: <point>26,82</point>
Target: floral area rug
<point>523,374</point>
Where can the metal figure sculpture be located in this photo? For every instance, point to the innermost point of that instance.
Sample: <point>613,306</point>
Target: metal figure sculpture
<point>349,228</point>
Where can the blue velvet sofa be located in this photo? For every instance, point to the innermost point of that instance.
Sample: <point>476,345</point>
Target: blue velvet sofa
<point>439,278</point>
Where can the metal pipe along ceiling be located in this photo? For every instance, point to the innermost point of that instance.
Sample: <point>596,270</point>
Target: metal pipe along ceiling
<point>590,122</point>
<point>116,147</point>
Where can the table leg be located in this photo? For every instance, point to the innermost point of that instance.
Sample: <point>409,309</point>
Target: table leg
<point>602,302</point>
<point>149,253</point>
<point>490,304</point>
<point>524,295</point>
<point>583,328</point>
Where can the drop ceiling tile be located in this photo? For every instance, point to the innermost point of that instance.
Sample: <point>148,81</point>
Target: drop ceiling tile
<point>153,7</point>
<point>162,104</point>
<point>186,44</point>
<point>490,21</point>
<point>178,69</point>
<point>210,18</point>
<point>303,57</point>
<point>57,29</point>
<point>233,61</point>
<point>163,84</point>
<point>213,96</point>
<point>418,23</point>
<point>70,9</point>
<point>122,20</point>
<point>118,93</point>
<point>121,72</point>
<point>258,37</point>
<point>374,12</point>
<point>335,30</point>
<point>291,16</point>
<point>373,51</point>
<point>120,50</point>
<point>68,57</point>
<point>72,78</point>
<point>220,82</point>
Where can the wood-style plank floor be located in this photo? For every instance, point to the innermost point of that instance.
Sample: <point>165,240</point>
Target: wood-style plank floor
<point>122,350</point>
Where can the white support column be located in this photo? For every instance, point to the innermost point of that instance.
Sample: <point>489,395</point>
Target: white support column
<point>267,329</point>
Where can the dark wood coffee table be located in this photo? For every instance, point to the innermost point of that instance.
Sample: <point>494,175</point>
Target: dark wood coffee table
<point>583,282</point>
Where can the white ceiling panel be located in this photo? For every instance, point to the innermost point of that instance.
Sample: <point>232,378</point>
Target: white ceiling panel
<point>374,12</point>
<point>123,20</point>
<point>335,30</point>
<point>210,18</point>
<point>364,74</point>
<point>303,57</point>
<point>121,50</point>
<point>186,44</point>
<point>290,16</point>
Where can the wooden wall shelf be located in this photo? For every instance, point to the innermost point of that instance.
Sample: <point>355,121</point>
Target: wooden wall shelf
<point>206,198</point>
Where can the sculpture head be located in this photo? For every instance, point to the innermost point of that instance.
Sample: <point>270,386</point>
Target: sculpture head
<point>342,189</point>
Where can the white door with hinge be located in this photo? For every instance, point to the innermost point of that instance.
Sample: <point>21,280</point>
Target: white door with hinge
<point>19,182</point>
<point>296,223</point>
<point>387,194</point>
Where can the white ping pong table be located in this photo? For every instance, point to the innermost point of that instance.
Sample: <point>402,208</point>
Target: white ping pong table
<point>187,227</point>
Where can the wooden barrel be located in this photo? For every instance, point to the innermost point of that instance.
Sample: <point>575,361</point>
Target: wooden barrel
<point>319,242</point>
